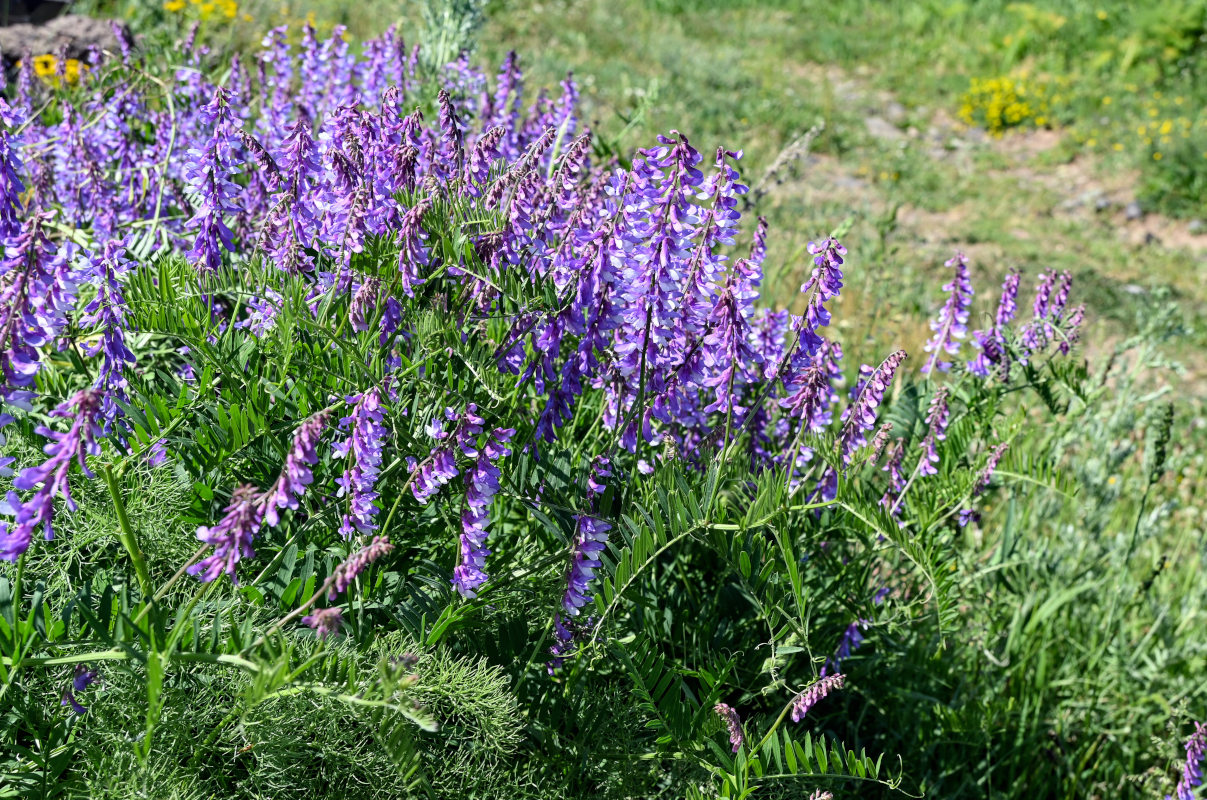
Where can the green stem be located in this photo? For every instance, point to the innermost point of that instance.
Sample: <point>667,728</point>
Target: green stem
<point>126,535</point>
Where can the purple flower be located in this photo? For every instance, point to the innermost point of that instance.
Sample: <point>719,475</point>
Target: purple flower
<point>231,538</point>
<point>937,418</point>
<point>295,474</point>
<point>733,723</point>
<point>825,282</point>
<point>590,539</point>
<point>49,479</point>
<point>951,324</point>
<point>992,342</point>
<point>69,700</point>
<point>814,694</point>
<point>356,563</point>
<point>848,644</point>
<point>363,449</point>
<point>325,621</point>
<point>966,516</point>
<point>107,310</point>
<point>83,678</point>
<point>209,170</point>
<point>862,413</point>
<point>995,456</point>
<point>1192,773</point>
<point>482,483</point>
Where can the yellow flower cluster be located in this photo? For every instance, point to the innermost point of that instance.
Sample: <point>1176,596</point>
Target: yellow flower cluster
<point>1007,102</point>
<point>47,68</point>
<point>205,8</point>
<point>1165,125</point>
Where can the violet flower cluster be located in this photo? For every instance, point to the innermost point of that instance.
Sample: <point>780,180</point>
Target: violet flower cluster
<point>733,724</point>
<point>1192,772</point>
<point>815,694</point>
<point>951,325</point>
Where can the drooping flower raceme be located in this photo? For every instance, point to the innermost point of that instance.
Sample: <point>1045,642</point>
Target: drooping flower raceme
<point>325,621</point>
<point>209,172</point>
<point>937,419</point>
<point>814,695</point>
<point>363,449</point>
<point>482,484</point>
<point>296,474</point>
<point>733,724</point>
<point>1192,772</point>
<point>48,480</point>
<point>356,563</point>
<point>232,537</point>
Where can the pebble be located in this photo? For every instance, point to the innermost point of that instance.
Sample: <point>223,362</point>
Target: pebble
<point>1133,211</point>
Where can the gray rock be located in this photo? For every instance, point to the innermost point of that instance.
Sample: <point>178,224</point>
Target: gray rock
<point>1132,211</point>
<point>1197,226</point>
<point>77,32</point>
<point>1102,203</point>
<point>880,128</point>
<point>895,113</point>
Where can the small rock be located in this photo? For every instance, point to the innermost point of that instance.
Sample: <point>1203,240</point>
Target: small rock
<point>1132,211</point>
<point>78,33</point>
<point>1132,288</point>
<point>880,128</point>
<point>1196,227</point>
<point>894,112</point>
<point>1151,238</point>
<point>848,182</point>
<point>1103,203</point>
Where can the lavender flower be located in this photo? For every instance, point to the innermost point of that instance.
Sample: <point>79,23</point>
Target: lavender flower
<point>363,449</point>
<point>951,325</point>
<point>232,537</point>
<point>209,170</point>
<point>325,621</point>
<point>107,310</point>
<point>851,639</point>
<point>992,342</point>
<point>49,479</point>
<point>356,563</point>
<point>825,282</point>
<point>862,416</point>
<point>295,474</point>
<point>814,694</point>
<point>1192,773</point>
<point>482,484</point>
<point>733,723</point>
<point>995,457</point>
<point>937,419</point>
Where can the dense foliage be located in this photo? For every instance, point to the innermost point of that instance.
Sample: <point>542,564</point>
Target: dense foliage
<point>397,437</point>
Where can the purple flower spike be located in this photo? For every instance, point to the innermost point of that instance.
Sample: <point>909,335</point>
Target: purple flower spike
<point>482,483</point>
<point>231,538</point>
<point>325,621</point>
<point>814,694</point>
<point>346,572</point>
<point>995,456</point>
<point>209,171</point>
<point>49,479</point>
<point>851,639</point>
<point>825,282</point>
<point>951,325</point>
<point>937,419</point>
<point>733,723</point>
<point>992,343</point>
<point>862,416</point>
<point>363,448</point>
<point>1192,773</point>
<point>295,474</point>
